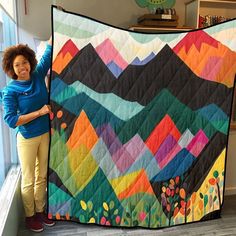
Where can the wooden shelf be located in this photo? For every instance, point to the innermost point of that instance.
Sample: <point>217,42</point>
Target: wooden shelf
<point>233,126</point>
<point>194,8</point>
<point>151,29</point>
<point>219,1</point>
<point>158,20</point>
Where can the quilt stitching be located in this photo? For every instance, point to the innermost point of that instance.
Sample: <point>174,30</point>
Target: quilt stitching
<point>152,168</point>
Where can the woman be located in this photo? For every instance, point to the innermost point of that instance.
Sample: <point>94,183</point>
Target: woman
<point>25,101</point>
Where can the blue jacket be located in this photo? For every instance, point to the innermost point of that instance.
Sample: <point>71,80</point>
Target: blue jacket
<point>23,97</point>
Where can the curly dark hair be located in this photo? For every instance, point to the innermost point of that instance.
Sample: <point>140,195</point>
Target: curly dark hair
<point>12,52</point>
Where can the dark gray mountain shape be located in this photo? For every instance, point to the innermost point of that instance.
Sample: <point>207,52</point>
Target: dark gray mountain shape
<point>205,161</point>
<point>68,118</point>
<point>143,83</point>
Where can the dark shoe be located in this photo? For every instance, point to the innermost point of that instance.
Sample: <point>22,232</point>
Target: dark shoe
<point>33,224</point>
<point>42,217</point>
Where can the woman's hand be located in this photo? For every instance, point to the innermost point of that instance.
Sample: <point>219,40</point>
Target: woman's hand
<point>60,8</point>
<point>24,119</point>
<point>46,109</point>
<point>50,41</point>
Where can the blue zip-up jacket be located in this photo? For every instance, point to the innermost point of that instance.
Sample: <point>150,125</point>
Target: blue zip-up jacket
<point>23,97</point>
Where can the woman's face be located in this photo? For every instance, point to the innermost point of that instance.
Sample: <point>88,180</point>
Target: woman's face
<point>21,67</point>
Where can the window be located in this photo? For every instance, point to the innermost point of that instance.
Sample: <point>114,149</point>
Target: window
<point>8,36</point>
<point>9,7</point>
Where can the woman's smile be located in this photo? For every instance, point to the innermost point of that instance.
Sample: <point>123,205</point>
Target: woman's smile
<point>21,67</point>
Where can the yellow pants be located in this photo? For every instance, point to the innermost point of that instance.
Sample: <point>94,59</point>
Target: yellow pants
<point>33,155</point>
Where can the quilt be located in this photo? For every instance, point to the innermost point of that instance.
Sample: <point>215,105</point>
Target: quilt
<point>139,123</point>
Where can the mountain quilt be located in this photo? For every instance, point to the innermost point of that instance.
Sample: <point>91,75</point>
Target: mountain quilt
<point>139,123</point>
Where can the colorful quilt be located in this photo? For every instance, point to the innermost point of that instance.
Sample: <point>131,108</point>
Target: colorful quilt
<point>139,123</point>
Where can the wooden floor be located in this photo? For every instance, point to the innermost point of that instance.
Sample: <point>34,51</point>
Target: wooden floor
<point>223,226</point>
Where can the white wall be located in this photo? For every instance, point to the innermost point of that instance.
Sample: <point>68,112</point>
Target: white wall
<point>123,13</point>
<point>37,22</point>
